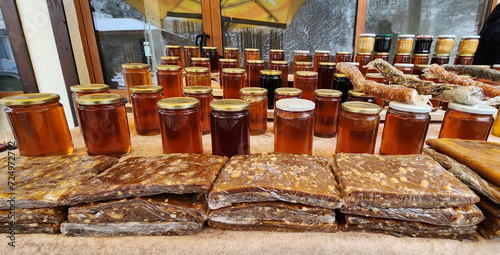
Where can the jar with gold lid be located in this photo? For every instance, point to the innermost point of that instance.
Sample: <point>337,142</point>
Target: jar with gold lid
<point>232,53</point>
<point>444,44</point>
<point>144,101</point>
<point>204,94</point>
<point>326,71</point>
<point>301,66</point>
<point>190,52</point>
<point>342,56</point>
<point>405,68</point>
<point>363,59</point>
<point>468,45</point>
<point>230,124</point>
<point>253,72</point>
<point>212,53</point>
<point>136,74</point>
<point>257,98</point>
<point>405,43</point>
<point>171,60</point>
<point>174,50</point>
<point>358,127</point>
<point>104,124</point>
<point>327,112</point>
<point>467,122</point>
<point>232,80</point>
<point>198,76</point>
<point>366,43</point>
<point>381,55</point>
<point>201,62</point>
<point>227,63</point>
<point>180,125</point>
<point>283,67</point>
<point>402,58</point>
<point>282,93</point>
<point>270,80</point>
<point>342,83</point>
<point>301,56</point>
<point>306,81</point>
<point>250,54</point>
<point>276,55</point>
<point>86,89</point>
<point>320,56</point>
<point>170,78</point>
<point>355,95</point>
<point>39,124</point>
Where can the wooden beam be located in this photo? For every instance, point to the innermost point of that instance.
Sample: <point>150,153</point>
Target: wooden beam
<point>15,33</point>
<point>360,23</point>
<point>216,26</point>
<point>207,20</point>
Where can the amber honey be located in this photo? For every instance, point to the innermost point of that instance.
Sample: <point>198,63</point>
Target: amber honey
<point>468,44</point>
<point>190,52</point>
<point>230,125</point>
<point>420,59</point>
<point>358,127</point>
<point>276,55</point>
<point>257,98</point>
<point>204,94</point>
<point>39,125</point>
<point>250,54</point>
<point>212,54</point>
<point>496,67</point>
<point>467,122</point>
<point>253,72</point>
<point>227,63</point>
<point>136,74</point>
<point>366,43</point>
<point>405,68</point>
<point>464,59</point>
<point>342,56</point>
<point>405,129</point>
<point>144,101</point>
<point>327,112</point>
<point>180,125</point>
<point>170,78</point>
<point>320,56</point>
<point>198,76</point>
<point>283,67</point>
<point>381,55</point>
<point>283,93</point>
<point>405,44</point>
<point>294,126</point>
<point>363,59</point>
<point>307,82</point>
<point>174,50</point>
<point>301,56</point>
<point>171,60</point>
<point>201,62</point>
<point>402,58</point>
<point>86,89</point>
<point>301,66</point>
<point>354,95</point>
<point>496,126</point>
<point>419,69</point>
<point>232,80</point>
<point>232,53</point>
<point>104,124</point>
<point>326,71</point>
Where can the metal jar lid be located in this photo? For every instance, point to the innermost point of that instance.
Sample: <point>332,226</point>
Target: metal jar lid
<point>172,46</point>
<point>197,90</point>
<point>406,36</point>
<point>361,107</point>
<point>228,60</point>
<point>90,88</point>
<point>255,61</point>
<point>178,103</point>
<point>327,63</point>
<point>403,65</point>
<point>403,54</point>
<point>200,59</point>
<point>270,72</point>
<point>170,58</point>
<point>306,73</point>
<point>250,49</point>
<point>356,93</point>
<point>340,75</point>
<point>469,37</point>
<point>301,52</point>
<point>342,52</point>
<point>135,66</point>
<point>303,63</point>
<point>279,62</point>
<point>233,70</point>
<point>99,99</point>
<point>367,35</point>
<point>30,99</point>
<point>288,91</point>
<point>277,50</point>
<point>191,47</point>
<point>410,107</point>
<point>253,91</point>
<point>328,93</point>
<point>229,105</point>
<point>146,89</point>
<point>196,69</point>
<point>295,105</point>
<point>229,48</point>
<point>446,36</point>
<point>209,48</point>
<point>322,51</point>
<point>168,68</point>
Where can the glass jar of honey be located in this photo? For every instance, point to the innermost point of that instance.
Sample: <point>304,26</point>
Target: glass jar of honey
<point>270,80</point>
<point>440,59</point>
<point>213,54</point>
<point>198,76</point>
<point>464,59</point>
<point>253,72</point>
<point>496,126</point>
<point>382,55</point>
<point>294,126</point>
<point>468,44</point>
<point>283,67</point>
<point>232,80</point>
<point>227,63</point>
<point>496,67</point>
<point>301,66</point>
<point>360,96</point>
<point>144,101</point>
<point>232,53</point>
<point>86,89</point>
<point>136,74</point>
<point>320,56</point>
<point>420,59</point>
<point>326,71</point>
<point>190,52</point>
<point>418,69</point>
<point>306,81</point>
<point>39,125</point>
<point>201,62</point>
<point>250,54</point>
<point>180,125</point>
<point>405,43</point>
<point>171,60</point>
<point>342,84</point>
<point>467,122</point>
<point>276,55</point>
<point>342,56</point>
<point>402,58</point>
<point>405,68</point>
<point>301,56</point>
<point>358,127</point>
<point>104,124</point>
<point>282,93</point>
<point>363,59</point>
<point>257,98</point>
<point>383,43</point>
<point>204,94</point>
<point>174,50</point>
<point>423,44</point>
<point>444,44</point>
<point>170,78</point>
<point>230,122</point>
<point>366,43</point>
<point>405,129</point>
<point>327,112</point>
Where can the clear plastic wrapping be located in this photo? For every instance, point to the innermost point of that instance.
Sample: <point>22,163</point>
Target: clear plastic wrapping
<point>42,215</point>
<point>488,206</point>
<point>490,227</point>
<point>33,228</point>
<point>466,175</point>
<point>474,71</point>
<point>132,229</point>
<point>146,176</point>
<point>480,156</point>
<point>42,181</point>
<point>395,181</point>
<point>454,217</point>
<point>293,178</point>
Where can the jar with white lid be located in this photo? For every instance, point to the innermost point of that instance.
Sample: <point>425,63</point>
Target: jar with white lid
<point>467,122</point>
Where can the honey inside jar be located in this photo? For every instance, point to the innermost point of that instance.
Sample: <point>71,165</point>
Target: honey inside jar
<point>307,82</point>
<point>301,56</point>
<point>171,60</point>
<point>320,56</point>
<point>294,126</point>
<point>201,62</point>
<point>420,59</point>
<point>204,94</point>
<point>363,59</point>
<point>174,50</point>
<point>144,101</point>
<point>327,112</point>
<point>467,122</point>
<point>283,67</point>
<point>342,56</point>
<point>198,76</point>
<point>444,44</point>
<point>359,96</point>
<point>381,55</point>
<point>253,72</point>
<point>301,66</point>
<point>358,127</point>
<point>136,74</point>
<point>402,58</point>
<point>276,55</point>
<point>232,80</point>
<point>227,63</point>
<point>39,125</point>
<point>86,89</point>
<point>282,93</point>
<point>464,59</point>
<point>212,54</point>
<point>405,129</point>
<point>440,59</point>
<point>326,72</point>
<point>190,52</point>
<point>104,124</point>
<point>232,53</point>
<point>257,98</point>
<point>180,125</point>
<point>250,54</point>
<point>170,78</point>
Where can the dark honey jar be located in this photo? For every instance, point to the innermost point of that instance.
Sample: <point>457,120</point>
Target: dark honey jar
<point>355,95</point>
<point>190,52</point>
<point>230,124</point>
<point>418,69</point>
<point>343,84</point>
<point>213,54</point>
<point>204,94</point>
<point>423,44</point>
<point>464,59</point>
<point>136,74</point>
<point>180,125</point>
<point>383,42</point>
<point>327,112</point>
<point>257,98</point>
<point>270,80</point>
<point>467,122</point>
<point>104,124</point>
<point>39,125</point>
<point>144,101</point>
<point>170,78</point>
<point>326,72</point>
<point>283,67</point>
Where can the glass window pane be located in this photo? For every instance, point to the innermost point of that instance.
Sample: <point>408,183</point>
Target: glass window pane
<point>9,77</point>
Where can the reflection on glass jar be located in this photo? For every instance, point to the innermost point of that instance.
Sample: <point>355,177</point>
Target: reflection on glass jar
<point>170,78</point>
<point>257,98</point>
<point>283,67</point>
<point>144,101</point>
<point>327,112</point>
<point>306,81</point>
<point>294,126</point>
<point>136,74</point>
<point>467,122</point>
<point>204,94</point>
<point>198,76</point>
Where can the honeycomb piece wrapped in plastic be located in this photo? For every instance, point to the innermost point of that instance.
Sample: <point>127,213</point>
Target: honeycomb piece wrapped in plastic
<point>274,216</point>
<point>455,217</point>
<point>146,176</point>
<point>410,228</point>
<point>480,156</point>
<point>490,227</point>
<point>489,206</point>
<point>474,71</point>
<point>395,181</point>
<point>467,176</point>
<point>42,220</point>
<point>42,181</point>
<point>386,92</point>
<point>132,228</point>
<point>302,179</point>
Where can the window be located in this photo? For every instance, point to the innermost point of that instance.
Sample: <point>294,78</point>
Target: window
<point>9,76</point>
